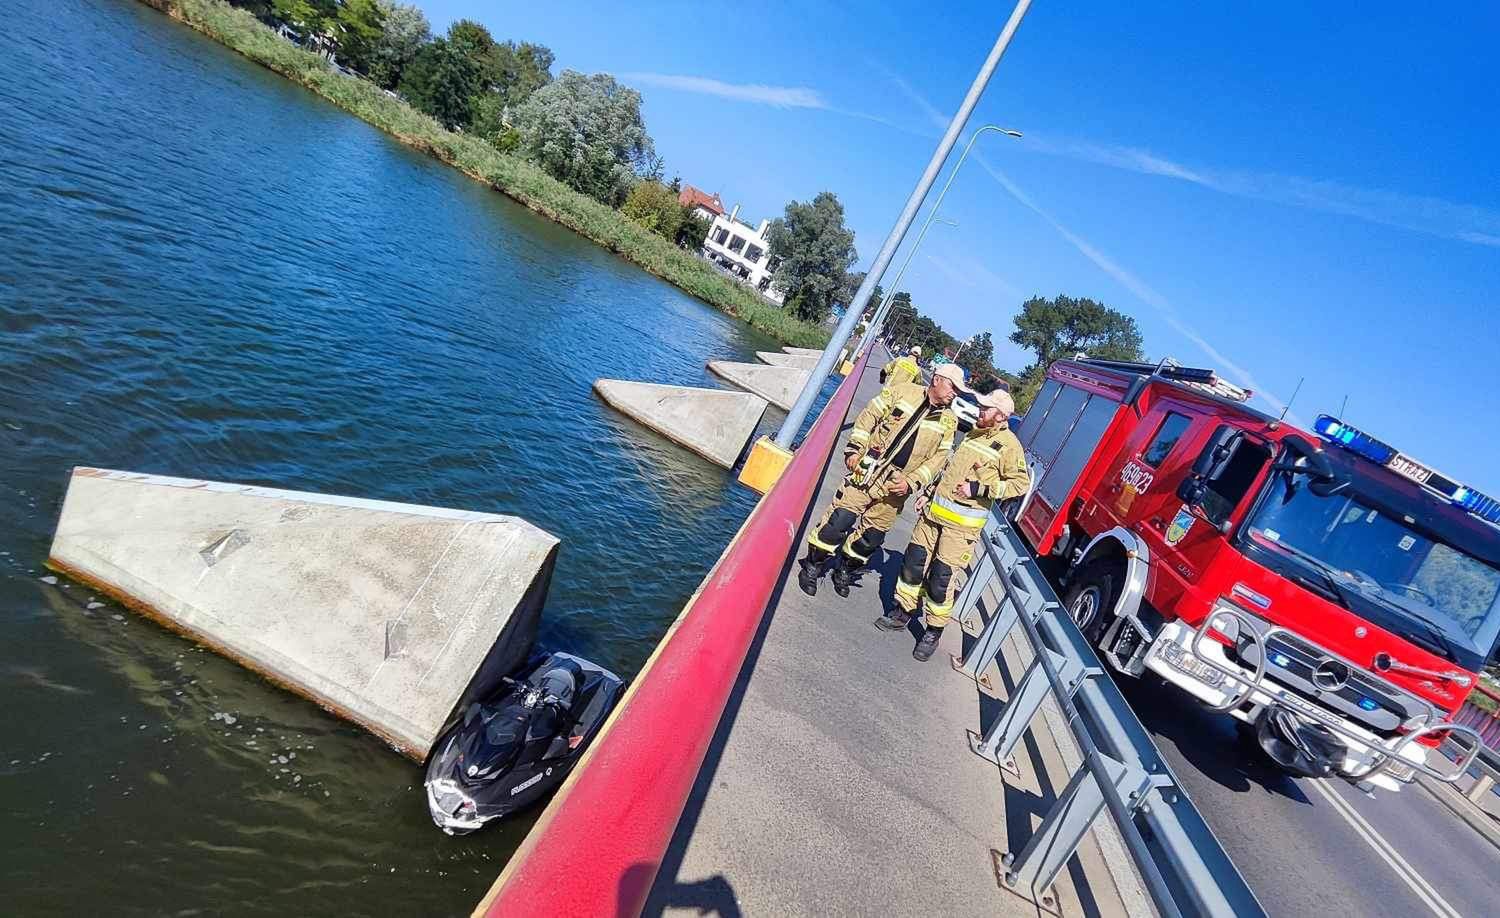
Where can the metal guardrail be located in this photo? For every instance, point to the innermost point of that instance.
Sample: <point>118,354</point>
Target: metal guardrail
<point>1487,724</point>
<point>1483,764</point>
<point>1185,869</point>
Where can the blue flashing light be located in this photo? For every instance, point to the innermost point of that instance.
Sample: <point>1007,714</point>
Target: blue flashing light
<point>1481,505</point>
<point>1368,704</point>
<point>1281,660</point>
<point>1353,439</point>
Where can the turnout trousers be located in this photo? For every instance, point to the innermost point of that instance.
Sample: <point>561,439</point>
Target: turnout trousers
<point>854,525</point>
<point>936,564</point>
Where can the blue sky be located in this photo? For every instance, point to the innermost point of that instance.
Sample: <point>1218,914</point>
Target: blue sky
<point>1276,190</point>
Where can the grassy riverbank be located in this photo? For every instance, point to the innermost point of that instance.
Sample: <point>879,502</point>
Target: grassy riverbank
<point>513,176</point>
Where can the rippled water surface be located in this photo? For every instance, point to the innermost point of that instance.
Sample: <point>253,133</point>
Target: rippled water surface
<point>205,271</point>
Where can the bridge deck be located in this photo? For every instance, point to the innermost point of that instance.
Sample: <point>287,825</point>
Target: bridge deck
<point>840,780</point>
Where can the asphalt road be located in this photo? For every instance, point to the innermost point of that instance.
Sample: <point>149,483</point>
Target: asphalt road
<point>1319,847</point>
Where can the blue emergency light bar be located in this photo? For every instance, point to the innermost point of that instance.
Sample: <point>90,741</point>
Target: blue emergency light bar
<point>1353,439</point>
<point>1481,505</point>
<point>1362,444</point>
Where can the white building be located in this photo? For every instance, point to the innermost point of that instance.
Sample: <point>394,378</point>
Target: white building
<point>743,251</point>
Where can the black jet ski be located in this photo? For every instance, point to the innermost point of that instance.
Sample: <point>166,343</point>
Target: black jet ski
<point>514,747</point>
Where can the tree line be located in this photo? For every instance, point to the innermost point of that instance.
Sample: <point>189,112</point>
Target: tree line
<point>587,131</point>
<point>1052,329</point>
<point>817,255</point>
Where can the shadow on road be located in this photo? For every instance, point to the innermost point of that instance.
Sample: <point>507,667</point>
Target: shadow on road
<point>711,896</point>
<point>1207,740</point>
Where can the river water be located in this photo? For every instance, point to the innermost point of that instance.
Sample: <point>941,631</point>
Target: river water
<point>206,271</point>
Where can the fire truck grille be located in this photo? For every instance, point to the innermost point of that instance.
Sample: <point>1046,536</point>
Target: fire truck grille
<point>1334,683</point>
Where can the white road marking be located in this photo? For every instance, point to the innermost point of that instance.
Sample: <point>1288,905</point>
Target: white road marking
<point>1404,870</point>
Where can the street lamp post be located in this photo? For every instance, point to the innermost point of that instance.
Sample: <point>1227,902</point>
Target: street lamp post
<point>879,317</point>
<point>890,302</point>
<point>896,319</point>
<point>775,455</point>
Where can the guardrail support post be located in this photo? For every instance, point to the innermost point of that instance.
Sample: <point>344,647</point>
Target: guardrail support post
<point>1482,785</point>
<point>987,645</point>
<point>1063,829</point>
<point>1005,731</point>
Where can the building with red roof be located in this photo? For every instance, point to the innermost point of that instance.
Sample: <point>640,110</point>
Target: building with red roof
<point>707,206</point>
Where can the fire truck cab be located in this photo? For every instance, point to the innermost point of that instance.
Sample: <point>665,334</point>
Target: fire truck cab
<point>1334,595</point>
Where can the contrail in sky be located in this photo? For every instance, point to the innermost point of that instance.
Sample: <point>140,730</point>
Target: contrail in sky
<point>1143,291</point>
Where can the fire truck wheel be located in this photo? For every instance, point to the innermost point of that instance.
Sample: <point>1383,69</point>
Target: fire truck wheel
<point>1091,600</point>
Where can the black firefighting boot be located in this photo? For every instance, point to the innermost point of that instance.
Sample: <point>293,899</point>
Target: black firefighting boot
<point>927,645</point>
<point>845,575</point>
<point>808,572</point>
<point>894,619</point>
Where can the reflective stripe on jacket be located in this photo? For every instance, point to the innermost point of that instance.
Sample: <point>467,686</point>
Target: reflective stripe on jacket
<point>991,459</point>
<point>947,510</point>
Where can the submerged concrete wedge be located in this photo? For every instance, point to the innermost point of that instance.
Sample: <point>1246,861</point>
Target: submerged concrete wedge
<point>778,359</point>
<point>391,615</point>
<point>714,423</point>
<point>777,385</point>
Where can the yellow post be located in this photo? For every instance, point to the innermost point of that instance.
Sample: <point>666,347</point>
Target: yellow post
<point>846,361</point>
<point>764,465</point>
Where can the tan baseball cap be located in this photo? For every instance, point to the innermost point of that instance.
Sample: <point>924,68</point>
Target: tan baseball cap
<point>951,372</point>
<point>997,399</point>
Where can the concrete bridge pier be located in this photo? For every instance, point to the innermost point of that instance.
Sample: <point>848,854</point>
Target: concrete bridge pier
<point>390,615</point>
<point>714,423</point>
<point>778,385</point>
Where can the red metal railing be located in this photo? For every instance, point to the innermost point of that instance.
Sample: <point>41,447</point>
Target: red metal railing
<point>1486,723</point>
<point>597,848</point>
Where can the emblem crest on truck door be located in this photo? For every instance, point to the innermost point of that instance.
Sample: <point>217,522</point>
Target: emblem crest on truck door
<point>1180,525</point>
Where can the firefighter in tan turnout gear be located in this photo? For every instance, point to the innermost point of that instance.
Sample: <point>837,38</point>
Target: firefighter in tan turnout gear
<point>897,447</point>
<point>904,368</point>
<point>989,466</point>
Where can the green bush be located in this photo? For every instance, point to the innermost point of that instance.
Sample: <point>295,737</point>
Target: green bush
<point>509,174</point>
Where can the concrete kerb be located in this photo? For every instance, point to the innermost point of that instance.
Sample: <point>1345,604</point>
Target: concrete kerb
<point>1476,818</point>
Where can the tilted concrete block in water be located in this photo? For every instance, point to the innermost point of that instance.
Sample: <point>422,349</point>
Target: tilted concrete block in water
<point>777,385</point>
<point>778,359</point>
<point>390,615</point>
<point>714,423</point>
<point>804,351</point>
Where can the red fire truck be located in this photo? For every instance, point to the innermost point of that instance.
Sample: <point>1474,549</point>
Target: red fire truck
<point>1333,594</point>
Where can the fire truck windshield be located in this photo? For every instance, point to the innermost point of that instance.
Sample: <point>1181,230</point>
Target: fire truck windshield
<point>1383,567</point>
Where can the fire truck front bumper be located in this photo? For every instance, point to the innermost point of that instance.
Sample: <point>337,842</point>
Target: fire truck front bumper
<point>1205,674</point>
